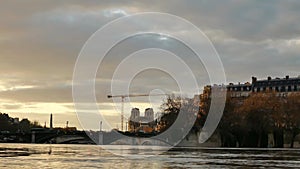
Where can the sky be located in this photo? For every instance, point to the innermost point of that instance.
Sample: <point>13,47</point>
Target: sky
<point>41,40</point>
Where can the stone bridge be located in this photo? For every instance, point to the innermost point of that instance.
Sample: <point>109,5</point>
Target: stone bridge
<point>113,138</point>
<point>57,136</point>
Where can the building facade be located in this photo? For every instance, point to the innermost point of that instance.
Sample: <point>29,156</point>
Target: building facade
<point>281,86</point>
<point>138,123</point>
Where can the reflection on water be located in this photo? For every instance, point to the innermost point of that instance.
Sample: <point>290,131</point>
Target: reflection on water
<point>90,156</point>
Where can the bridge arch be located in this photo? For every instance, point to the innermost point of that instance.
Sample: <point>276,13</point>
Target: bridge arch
<point>147,142</point>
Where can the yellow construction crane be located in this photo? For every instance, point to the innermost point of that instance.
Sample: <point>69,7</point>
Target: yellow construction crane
<point>130,95</point>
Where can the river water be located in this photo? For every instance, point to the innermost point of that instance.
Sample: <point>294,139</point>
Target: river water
<point>91,156</point>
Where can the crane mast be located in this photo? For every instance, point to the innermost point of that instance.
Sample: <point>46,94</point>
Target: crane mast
<point>129,95</point>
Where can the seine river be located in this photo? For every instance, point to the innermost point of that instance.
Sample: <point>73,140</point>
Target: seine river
<point>90,156</point>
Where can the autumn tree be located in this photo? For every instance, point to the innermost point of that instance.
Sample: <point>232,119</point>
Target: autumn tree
<point>204,106</point>
<point>170,109</point>
<point>292,116</point>
<point>173,107</point>
<point>231,127</point>
<point>258,112</point>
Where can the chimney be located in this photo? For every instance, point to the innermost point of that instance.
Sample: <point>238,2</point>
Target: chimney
<point>269,78</point>
<point>287,77</point>
<point>51,121</point>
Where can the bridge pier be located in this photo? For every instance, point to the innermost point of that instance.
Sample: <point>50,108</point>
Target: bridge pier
<point>33,137</point>
<point>100,142</point>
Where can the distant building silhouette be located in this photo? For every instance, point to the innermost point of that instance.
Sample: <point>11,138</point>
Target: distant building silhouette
<point>141,123</point>
<point>51,121</point>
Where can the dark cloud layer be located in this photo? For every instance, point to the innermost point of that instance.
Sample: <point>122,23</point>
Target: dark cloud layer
<point>40,41</point>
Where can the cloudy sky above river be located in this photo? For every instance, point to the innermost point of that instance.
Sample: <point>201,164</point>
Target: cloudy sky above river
<point>41,40</point>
